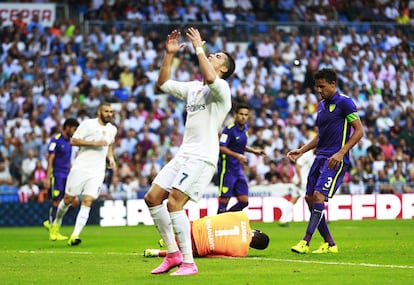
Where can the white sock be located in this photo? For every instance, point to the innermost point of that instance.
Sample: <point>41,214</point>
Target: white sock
<point>287,214</point>
<point>61,211</point>
<point>162,221</point>
<point>182,229</point>
<point>81,220</point>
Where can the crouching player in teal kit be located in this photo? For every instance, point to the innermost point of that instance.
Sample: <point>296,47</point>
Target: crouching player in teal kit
<point>337,113</point>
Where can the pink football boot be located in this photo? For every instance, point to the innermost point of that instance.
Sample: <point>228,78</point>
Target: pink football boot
<point>186,269</point>
<point>170,261</point>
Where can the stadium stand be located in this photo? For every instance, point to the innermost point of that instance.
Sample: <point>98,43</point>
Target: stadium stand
<point>51,73</point>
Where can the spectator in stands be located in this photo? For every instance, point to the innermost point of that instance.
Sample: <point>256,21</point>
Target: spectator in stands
<point>29,191</point>
<point>39,174</point>
<point>134,14</point>
<point>127,189</point>
<point>151,167</point>
<point>358,151</point>
<point>144,185</point>
<point>369,178</point>
<point>16,160</point>
<point>91,102</point>
<point>5,176</point>
<point>387,148</point>
<point>384,122</point>
<point>146,141</point>
<point>215,15</point>
<point>6,148</point>
<point>395,131</point>
<point>356,186</point>
<point>397,182</point>
<point>285,170</point>
<point>383,182</point>
<point>409,183</point>
<point>28,165</point>
<point>408,134</point>
<point>375,45</point>
<point>128,143</point>
<point>265,50</point>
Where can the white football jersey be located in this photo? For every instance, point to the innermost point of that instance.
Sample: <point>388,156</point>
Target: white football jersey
<point>305,162</point>
<point>92,158</point>
<point>207,107</point>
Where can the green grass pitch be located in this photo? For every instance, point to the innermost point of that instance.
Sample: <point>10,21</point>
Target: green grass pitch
<point>371,252</point>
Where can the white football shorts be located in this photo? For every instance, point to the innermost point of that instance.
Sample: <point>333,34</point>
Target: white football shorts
<point>189,175</point>
<point>83,183</point>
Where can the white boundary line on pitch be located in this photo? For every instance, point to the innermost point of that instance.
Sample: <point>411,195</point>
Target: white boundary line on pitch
<point>333,263</point>
<point>245,258</point>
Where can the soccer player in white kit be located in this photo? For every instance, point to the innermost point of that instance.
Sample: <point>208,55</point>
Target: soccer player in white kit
<point>303,165</point>
<point>187,175</point>
<point>95,138</point>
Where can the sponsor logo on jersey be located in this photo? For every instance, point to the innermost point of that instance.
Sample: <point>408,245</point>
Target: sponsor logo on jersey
<point>196,107</point>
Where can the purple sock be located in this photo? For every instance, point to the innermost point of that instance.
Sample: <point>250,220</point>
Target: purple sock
<point>324,231</point>
<point>238,206</point>
<point>315,219</point>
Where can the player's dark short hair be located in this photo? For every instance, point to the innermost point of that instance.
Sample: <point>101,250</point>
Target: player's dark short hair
<point>259,240</point>
<point>230,64</point>
<point>241,106</point>
<point>71,122</point>
<point>326,73</point>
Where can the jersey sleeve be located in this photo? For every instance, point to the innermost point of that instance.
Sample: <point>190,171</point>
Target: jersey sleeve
<point>52,144</point>
<point>350,110</point>
<point>82,130</point>
<point>112,136</point>
<point>176,88</point>
<point>226,135</point>
<point>220,90</point>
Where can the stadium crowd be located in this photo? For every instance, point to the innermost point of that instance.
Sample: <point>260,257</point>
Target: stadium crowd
<point>49,74</point>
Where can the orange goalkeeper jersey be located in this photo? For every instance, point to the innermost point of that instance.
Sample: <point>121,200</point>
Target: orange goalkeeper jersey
<point>227,234</point>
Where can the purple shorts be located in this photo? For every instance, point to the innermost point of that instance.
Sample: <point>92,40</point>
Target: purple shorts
<point>57,187</point>
<point>325,180</point>
<point>233,186</point>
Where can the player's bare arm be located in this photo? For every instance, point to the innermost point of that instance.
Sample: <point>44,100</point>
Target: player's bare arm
<point>207,69</point>
<point>239,156</point>
<point>336,159</point>
<point>256,151</point>
<point>296,153</point>
<point>172,46</point>
<point>110,157</point>
<point>50,158</point>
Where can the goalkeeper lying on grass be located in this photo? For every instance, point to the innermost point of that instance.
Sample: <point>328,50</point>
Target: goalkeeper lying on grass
<point>227,234</point>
